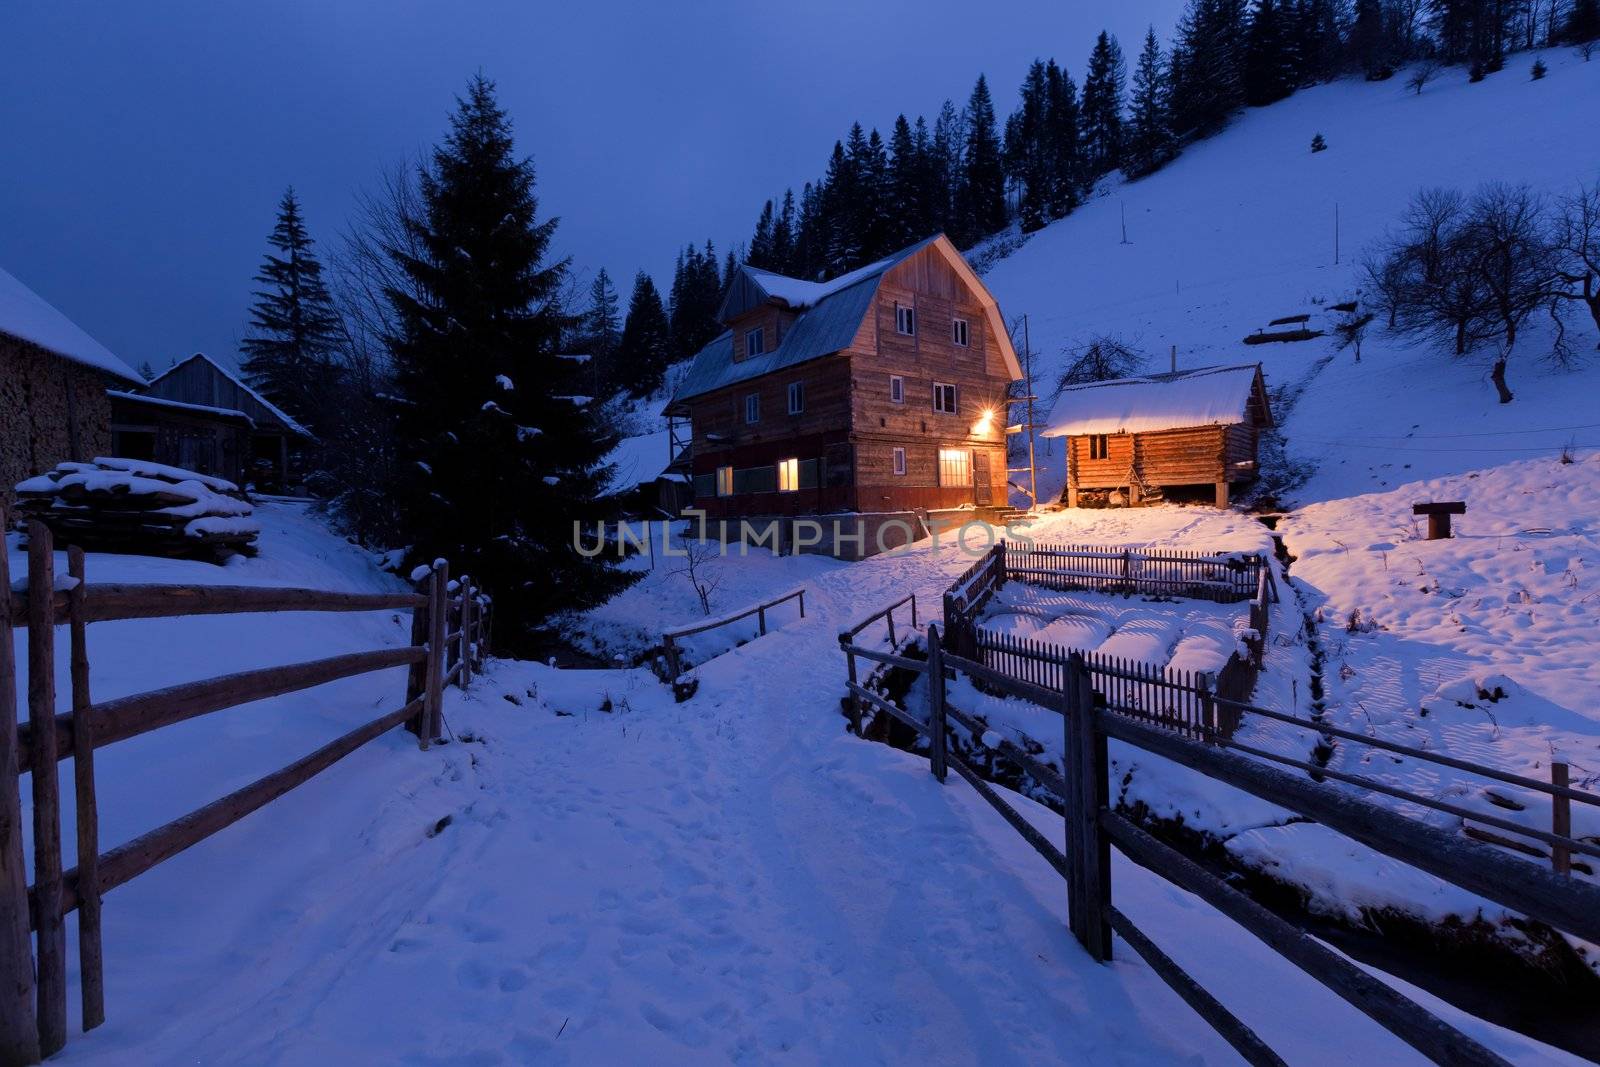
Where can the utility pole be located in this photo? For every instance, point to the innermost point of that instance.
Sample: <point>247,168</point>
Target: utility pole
<point>1033,469</point>
<point>1124,207</point>
<point>1174,359</point>
<point>1336,233</point>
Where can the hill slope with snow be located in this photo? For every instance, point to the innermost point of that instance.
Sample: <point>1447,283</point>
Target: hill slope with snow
<point>1240,230</point>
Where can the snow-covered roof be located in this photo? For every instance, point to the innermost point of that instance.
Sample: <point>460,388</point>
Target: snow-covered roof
<point>1205,396</point>
<point>831,313</point>
<point>163,402</point>
<point>25,314</point>
<point>277,412</point>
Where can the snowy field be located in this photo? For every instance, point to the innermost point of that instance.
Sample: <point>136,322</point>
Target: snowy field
<point>734,879</point>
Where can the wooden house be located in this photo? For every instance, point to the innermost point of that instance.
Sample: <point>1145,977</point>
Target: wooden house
<point>53,382</point>
<point>881,392</point>
<point>1148,434</point>
<point>195,437</point>
<point>271,451</point>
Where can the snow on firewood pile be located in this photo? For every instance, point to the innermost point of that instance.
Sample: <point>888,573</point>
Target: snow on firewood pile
<point>123,505</point>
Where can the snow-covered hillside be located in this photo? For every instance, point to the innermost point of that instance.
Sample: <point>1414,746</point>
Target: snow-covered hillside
<point>1240,230</point>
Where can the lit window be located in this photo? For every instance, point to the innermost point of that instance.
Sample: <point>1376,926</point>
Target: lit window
<point>955,466</point>
<point>905,319</point>
<point>755,342</point>
<point>899,461</point>
<point>752,408</point>
<point>960,332</point>
<point>897,389</point>
<point>797,397</point>
<point>1098,446</point>
<point>724,481</point>
<point>788,475</point>
<point>944,398</point>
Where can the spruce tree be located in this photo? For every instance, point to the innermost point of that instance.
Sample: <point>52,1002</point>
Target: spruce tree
<point>1103,87</point>
<point>907,213</point>
<point>870,214</point>
<point>981,194</point>
<point>761,254</point>
<point>696,294</point>
<point>842,245</point>
<point>1149,133</point>
<point>645,348</point>
<point>1268,71</point>
<point>290,351</point>
<point>1583,22</point>
<point>1370,47</point>
<point>811,238</point>
<point>496,461</point>
<point>783,235</point>
<point>601,320</point>
<point>944,170</point>
<point>1027,152</point>
<point>1206,85</point>
<point>1063,139</point>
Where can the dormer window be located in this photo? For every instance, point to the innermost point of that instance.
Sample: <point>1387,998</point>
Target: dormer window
<point>755,342</point>
<point>960,332</point>
<point>905,319</point>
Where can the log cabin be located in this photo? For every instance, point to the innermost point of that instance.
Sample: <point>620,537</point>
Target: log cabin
<point>270,452</point>
<point>53,382</point>
<point>1146,435</point>
<point>879,394</point>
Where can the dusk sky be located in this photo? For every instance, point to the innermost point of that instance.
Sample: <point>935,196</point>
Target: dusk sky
<point>146,145</point>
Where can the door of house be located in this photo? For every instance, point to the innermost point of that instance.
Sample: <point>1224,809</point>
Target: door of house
<point>982,487</point>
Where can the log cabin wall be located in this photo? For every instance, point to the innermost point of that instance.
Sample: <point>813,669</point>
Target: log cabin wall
<point>936,293</point>
<point>51,409</point>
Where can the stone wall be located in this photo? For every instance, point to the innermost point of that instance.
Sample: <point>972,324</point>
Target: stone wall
<point>51,409</point>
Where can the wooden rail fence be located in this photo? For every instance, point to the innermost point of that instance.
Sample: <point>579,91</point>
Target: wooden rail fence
<point>847,640</point>
<point>1185,700</point>
<point>674,653</point>
<point>1091,827</point>
<point>33,986</point>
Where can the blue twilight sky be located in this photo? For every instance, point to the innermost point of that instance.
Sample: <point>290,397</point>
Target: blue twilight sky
<point>143,146</point>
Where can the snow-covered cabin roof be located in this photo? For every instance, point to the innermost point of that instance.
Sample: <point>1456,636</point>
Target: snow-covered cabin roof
<point>276,412</point>
<point>26,315</point>
<point>1204,396</point>
<point>831,313</point>
<point>199,409</point>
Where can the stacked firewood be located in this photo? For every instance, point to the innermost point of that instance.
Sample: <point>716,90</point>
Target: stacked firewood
<point>133,506</point>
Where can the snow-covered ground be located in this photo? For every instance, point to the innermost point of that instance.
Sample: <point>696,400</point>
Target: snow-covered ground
<point>732,879</point>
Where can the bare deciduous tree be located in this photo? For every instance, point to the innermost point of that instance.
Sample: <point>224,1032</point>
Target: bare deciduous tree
<point>1099,359</point>
<point>1507,249</point>
<point>700,569</point>
<point>1577,243</point>
<point>1422,74</point>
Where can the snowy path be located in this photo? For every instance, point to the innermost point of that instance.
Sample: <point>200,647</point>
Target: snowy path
<point>733,879</point>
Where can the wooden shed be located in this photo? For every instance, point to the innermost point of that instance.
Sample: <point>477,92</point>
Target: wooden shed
<point>195,437</point>
<point>1147,434</point>
<point>276,440</point>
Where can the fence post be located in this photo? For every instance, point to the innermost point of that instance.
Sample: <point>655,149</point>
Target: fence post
<point>52,987</point>
<point>438,625</point>
<point>761,619</point>
<point>913,613</point>
<point>417,674</point>
<point>19,1034</point>
<point>855,701</point>
<point>889,616</point>
<point>91,982</point>
<point>466,632</point>
<point>1000,563</point>
<point>1560,819</point>
<point>936,703</point>
<point>1208,725</point>
<point>802,603</point>
<point>1088,849</point>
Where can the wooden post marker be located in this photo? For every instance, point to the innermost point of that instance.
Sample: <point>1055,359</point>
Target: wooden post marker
<point>90,965</point>
<point>936,704</point>
<point>52,988</point>
<point>19,1035</point>
<point>1439,516</point>
<point>1088,848</point>
<point>1560,819</point>
<point>438,626</point>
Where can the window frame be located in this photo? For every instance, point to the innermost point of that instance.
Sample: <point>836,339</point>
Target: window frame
<point>961,332</point>
<point>1099,446</point>
<point>797,398</point>
<point>897,389</point>
<point>964,467</point>
<point>955,398</point>
<point>752,408</point>
<point>724,481</point>
<point>791,467</point>
<point>898,462</point>
<point>905,319</point>
<point>760,334</point>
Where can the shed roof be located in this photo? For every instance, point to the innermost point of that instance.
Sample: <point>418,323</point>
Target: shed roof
<point>1204,396</point>
<point>226,414</point>
<point>831,313</point>
<point>276,412</point>
<point>26,315</point>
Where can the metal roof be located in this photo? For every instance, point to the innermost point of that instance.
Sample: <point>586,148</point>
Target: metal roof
<point>834,311</point>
